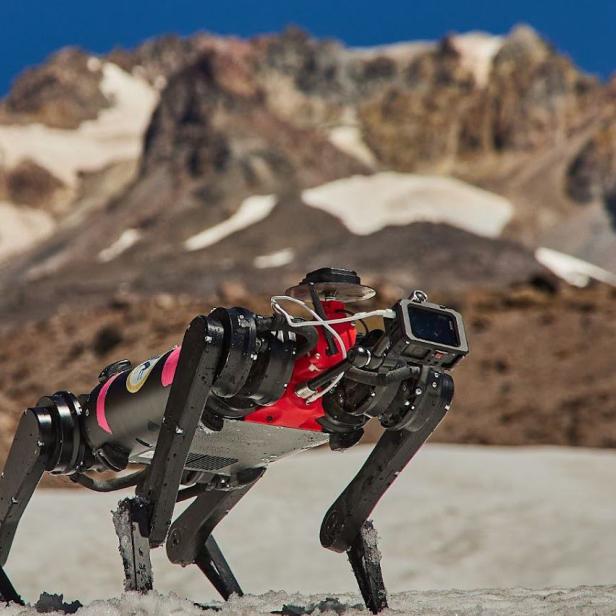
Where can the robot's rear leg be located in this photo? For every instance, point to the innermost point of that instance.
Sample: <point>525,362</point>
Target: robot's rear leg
<point>7,590</point>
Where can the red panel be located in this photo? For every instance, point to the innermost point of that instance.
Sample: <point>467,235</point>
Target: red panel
<point>291,411</point>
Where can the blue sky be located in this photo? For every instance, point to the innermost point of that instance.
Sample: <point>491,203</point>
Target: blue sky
<point>31,29</point>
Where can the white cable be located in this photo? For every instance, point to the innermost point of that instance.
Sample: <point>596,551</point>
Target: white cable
<point>327,323</point>
<point>386,313</point>
<point>319,321</point>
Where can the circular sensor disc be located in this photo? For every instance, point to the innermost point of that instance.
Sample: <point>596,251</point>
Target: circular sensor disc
<point>340,291</point>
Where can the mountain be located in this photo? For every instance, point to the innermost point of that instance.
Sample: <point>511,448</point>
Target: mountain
<point>113,165</point>
<point>213,169</point>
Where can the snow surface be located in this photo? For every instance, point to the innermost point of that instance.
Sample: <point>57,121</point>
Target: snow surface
<point>252,210</point>
<point>459,517</point>
<point>583,601</point>
<point>575,271</point>
<point>114,135</point>
<point>21,226</point>
<point>368,203</point>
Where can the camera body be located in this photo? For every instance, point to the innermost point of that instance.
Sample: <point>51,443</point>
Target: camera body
<point>427,334</point>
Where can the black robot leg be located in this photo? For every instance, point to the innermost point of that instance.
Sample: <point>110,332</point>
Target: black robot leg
<point>190,540</point>
<point>142,522</point>
<point>344,527</point>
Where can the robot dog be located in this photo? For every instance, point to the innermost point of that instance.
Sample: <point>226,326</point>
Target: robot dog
<point>206,418</point>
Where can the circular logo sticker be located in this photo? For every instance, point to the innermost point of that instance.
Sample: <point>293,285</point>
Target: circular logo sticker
<point>139,375</point>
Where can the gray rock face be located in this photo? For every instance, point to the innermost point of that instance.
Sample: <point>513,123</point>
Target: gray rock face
<point>591,175</point>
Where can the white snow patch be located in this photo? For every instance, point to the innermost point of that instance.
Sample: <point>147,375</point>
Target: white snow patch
<point>477,51</point>
<point>116,133</point>
<point>457,516</point>
<point>349,140</point>
<point>21,227</point>
<point>128,238</point>
<point>367,204</point>
<point>275,259</point>
<point>575,271</point>
<point>252,210</point>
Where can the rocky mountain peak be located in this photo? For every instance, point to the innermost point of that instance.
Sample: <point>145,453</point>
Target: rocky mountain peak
<point>61,93</point>
<point>300,150</point>
<point>213,121</point>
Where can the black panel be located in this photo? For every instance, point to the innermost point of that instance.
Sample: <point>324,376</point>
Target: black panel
<point>197,462</point>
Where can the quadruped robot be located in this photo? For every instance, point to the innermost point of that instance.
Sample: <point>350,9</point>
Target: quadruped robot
<point>243,390</point>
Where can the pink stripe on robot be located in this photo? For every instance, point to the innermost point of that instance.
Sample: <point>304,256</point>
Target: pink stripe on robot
<point>171,363</point>
<point>101,419</point>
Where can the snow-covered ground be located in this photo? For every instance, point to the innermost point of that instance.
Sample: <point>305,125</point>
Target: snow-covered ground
<point>347,137</point>
<point>460,517</point>
<point>477,51</point>
<point>127,239</point>
<point>583,601</point>
<point>115,135</point>
<point>275,259</point>
<point>368,203</point>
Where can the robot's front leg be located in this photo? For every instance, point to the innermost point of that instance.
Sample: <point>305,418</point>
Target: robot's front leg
<point>142,522</point>
<point>345,527</point>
